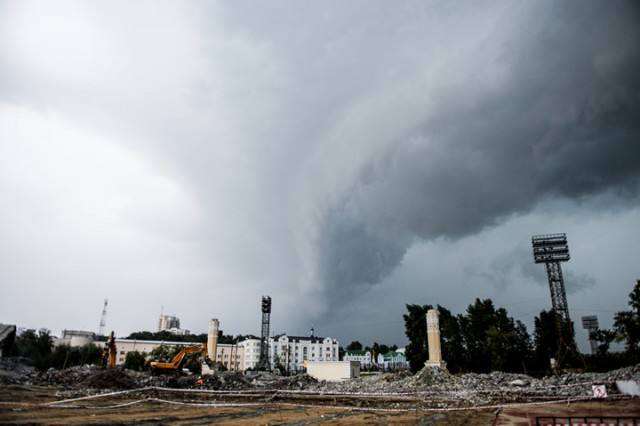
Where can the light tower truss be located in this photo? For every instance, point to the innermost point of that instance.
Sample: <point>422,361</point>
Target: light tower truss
<point>551,249</point>
<point>263,363</point>
<point>590,323</point>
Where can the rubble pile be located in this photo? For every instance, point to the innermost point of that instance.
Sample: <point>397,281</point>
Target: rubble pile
<point>89,376</point>
<point>484,389</point>
<point>434,384</point>
<point>17,370</point>
<point>110,379</point>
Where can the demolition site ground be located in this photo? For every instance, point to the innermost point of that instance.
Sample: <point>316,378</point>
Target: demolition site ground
<point>93,395</point>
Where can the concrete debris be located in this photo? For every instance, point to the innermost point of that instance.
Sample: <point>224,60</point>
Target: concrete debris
<point>17,370</point>
<point>628,387</point>
<point>441,388</point>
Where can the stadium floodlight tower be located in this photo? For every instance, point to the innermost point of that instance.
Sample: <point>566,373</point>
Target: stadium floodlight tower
<point>552,249</point>
<point>263,363</point>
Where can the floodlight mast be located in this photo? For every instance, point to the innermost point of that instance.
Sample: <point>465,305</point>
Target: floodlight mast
<point>551,249</point>
<point>263,363</point>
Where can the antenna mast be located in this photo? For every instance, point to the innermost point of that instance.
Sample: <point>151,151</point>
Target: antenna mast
<point>103,319</point>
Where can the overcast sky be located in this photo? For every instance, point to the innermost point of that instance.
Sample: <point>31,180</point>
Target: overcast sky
<point>345,158</point>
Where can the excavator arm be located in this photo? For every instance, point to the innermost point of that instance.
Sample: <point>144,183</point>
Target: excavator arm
<point>176,362</point>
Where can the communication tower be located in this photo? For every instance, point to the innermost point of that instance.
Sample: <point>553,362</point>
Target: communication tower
<point>263,363</point>
<point>103,319</point>
<point>552,249</point>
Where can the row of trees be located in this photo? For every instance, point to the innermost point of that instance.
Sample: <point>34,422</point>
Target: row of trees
<point>196,338</point>
<point>486,338</point>
<point>376,349</point>
<point>38,346</point>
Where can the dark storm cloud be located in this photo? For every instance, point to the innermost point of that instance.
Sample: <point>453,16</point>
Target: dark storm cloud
<point>563,120</point>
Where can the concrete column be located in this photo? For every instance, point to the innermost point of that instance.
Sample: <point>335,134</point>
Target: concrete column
<point>212,339</point>
<point>433,339</point>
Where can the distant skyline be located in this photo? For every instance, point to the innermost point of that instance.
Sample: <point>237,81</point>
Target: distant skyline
<point>344,158</point>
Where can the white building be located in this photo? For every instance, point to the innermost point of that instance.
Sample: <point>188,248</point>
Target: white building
<point>363,357</point>
<point>74,338</point>
<point>393,360</point>
<point>251,353</point>
<point>165,322</point>
<point>171,324</point>
<point>333,370</point>
<point>290,352</point>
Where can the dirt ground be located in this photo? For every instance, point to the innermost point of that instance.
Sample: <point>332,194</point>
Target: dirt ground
<point>25,404</point>
<point>595,411</point>
<point>47,405</point>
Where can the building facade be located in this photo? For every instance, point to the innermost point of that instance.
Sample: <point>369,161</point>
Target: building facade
<point>74,338</point>
<point>393,360</point>
<point>228,355</point>
<point>363,357</point>
<point>172,325</point>
<point>289,353</point>
<point>251,353</point>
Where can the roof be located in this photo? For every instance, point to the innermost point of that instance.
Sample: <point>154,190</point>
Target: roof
<point>357,352</point>
<point>312,339</point>
<point>392,354</point>
<point>6,330</point>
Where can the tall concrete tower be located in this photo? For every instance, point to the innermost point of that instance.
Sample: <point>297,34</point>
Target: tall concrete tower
<point>212,339</point>
<point>433,339</point>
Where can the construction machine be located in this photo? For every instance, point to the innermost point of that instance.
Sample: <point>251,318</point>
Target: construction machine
<point>175,364</point>
<point>109,352</point>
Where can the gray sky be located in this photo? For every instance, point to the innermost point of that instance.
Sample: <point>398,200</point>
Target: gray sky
<point>345,158</point>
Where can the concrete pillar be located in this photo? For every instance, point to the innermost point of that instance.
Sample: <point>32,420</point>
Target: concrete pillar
<point>212,339</point>
<point>433,339</point>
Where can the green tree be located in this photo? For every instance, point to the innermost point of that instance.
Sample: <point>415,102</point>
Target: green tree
<point>483,340</point>
<point>193,362</point>
<point>493,341</point>
<point>545,339</point>
<point>451,340</point>
<point>627,325</point>
<point>415,328</point>
<point>37,347</point>
<point>546,342</point>
<point>378,349</point>
<point>64,356</point>
<point>474,326</point>
<point>354,346</point>
<point>168,336</point>
<point>164,353</point>
<point>604,338</point>
<point>135,360</point>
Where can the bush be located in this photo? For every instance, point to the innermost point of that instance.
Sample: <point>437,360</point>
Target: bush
<point>135,361</point>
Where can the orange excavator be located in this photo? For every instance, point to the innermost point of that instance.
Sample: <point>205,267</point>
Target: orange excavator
<point>174,365</point>
<point>109,352</point>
